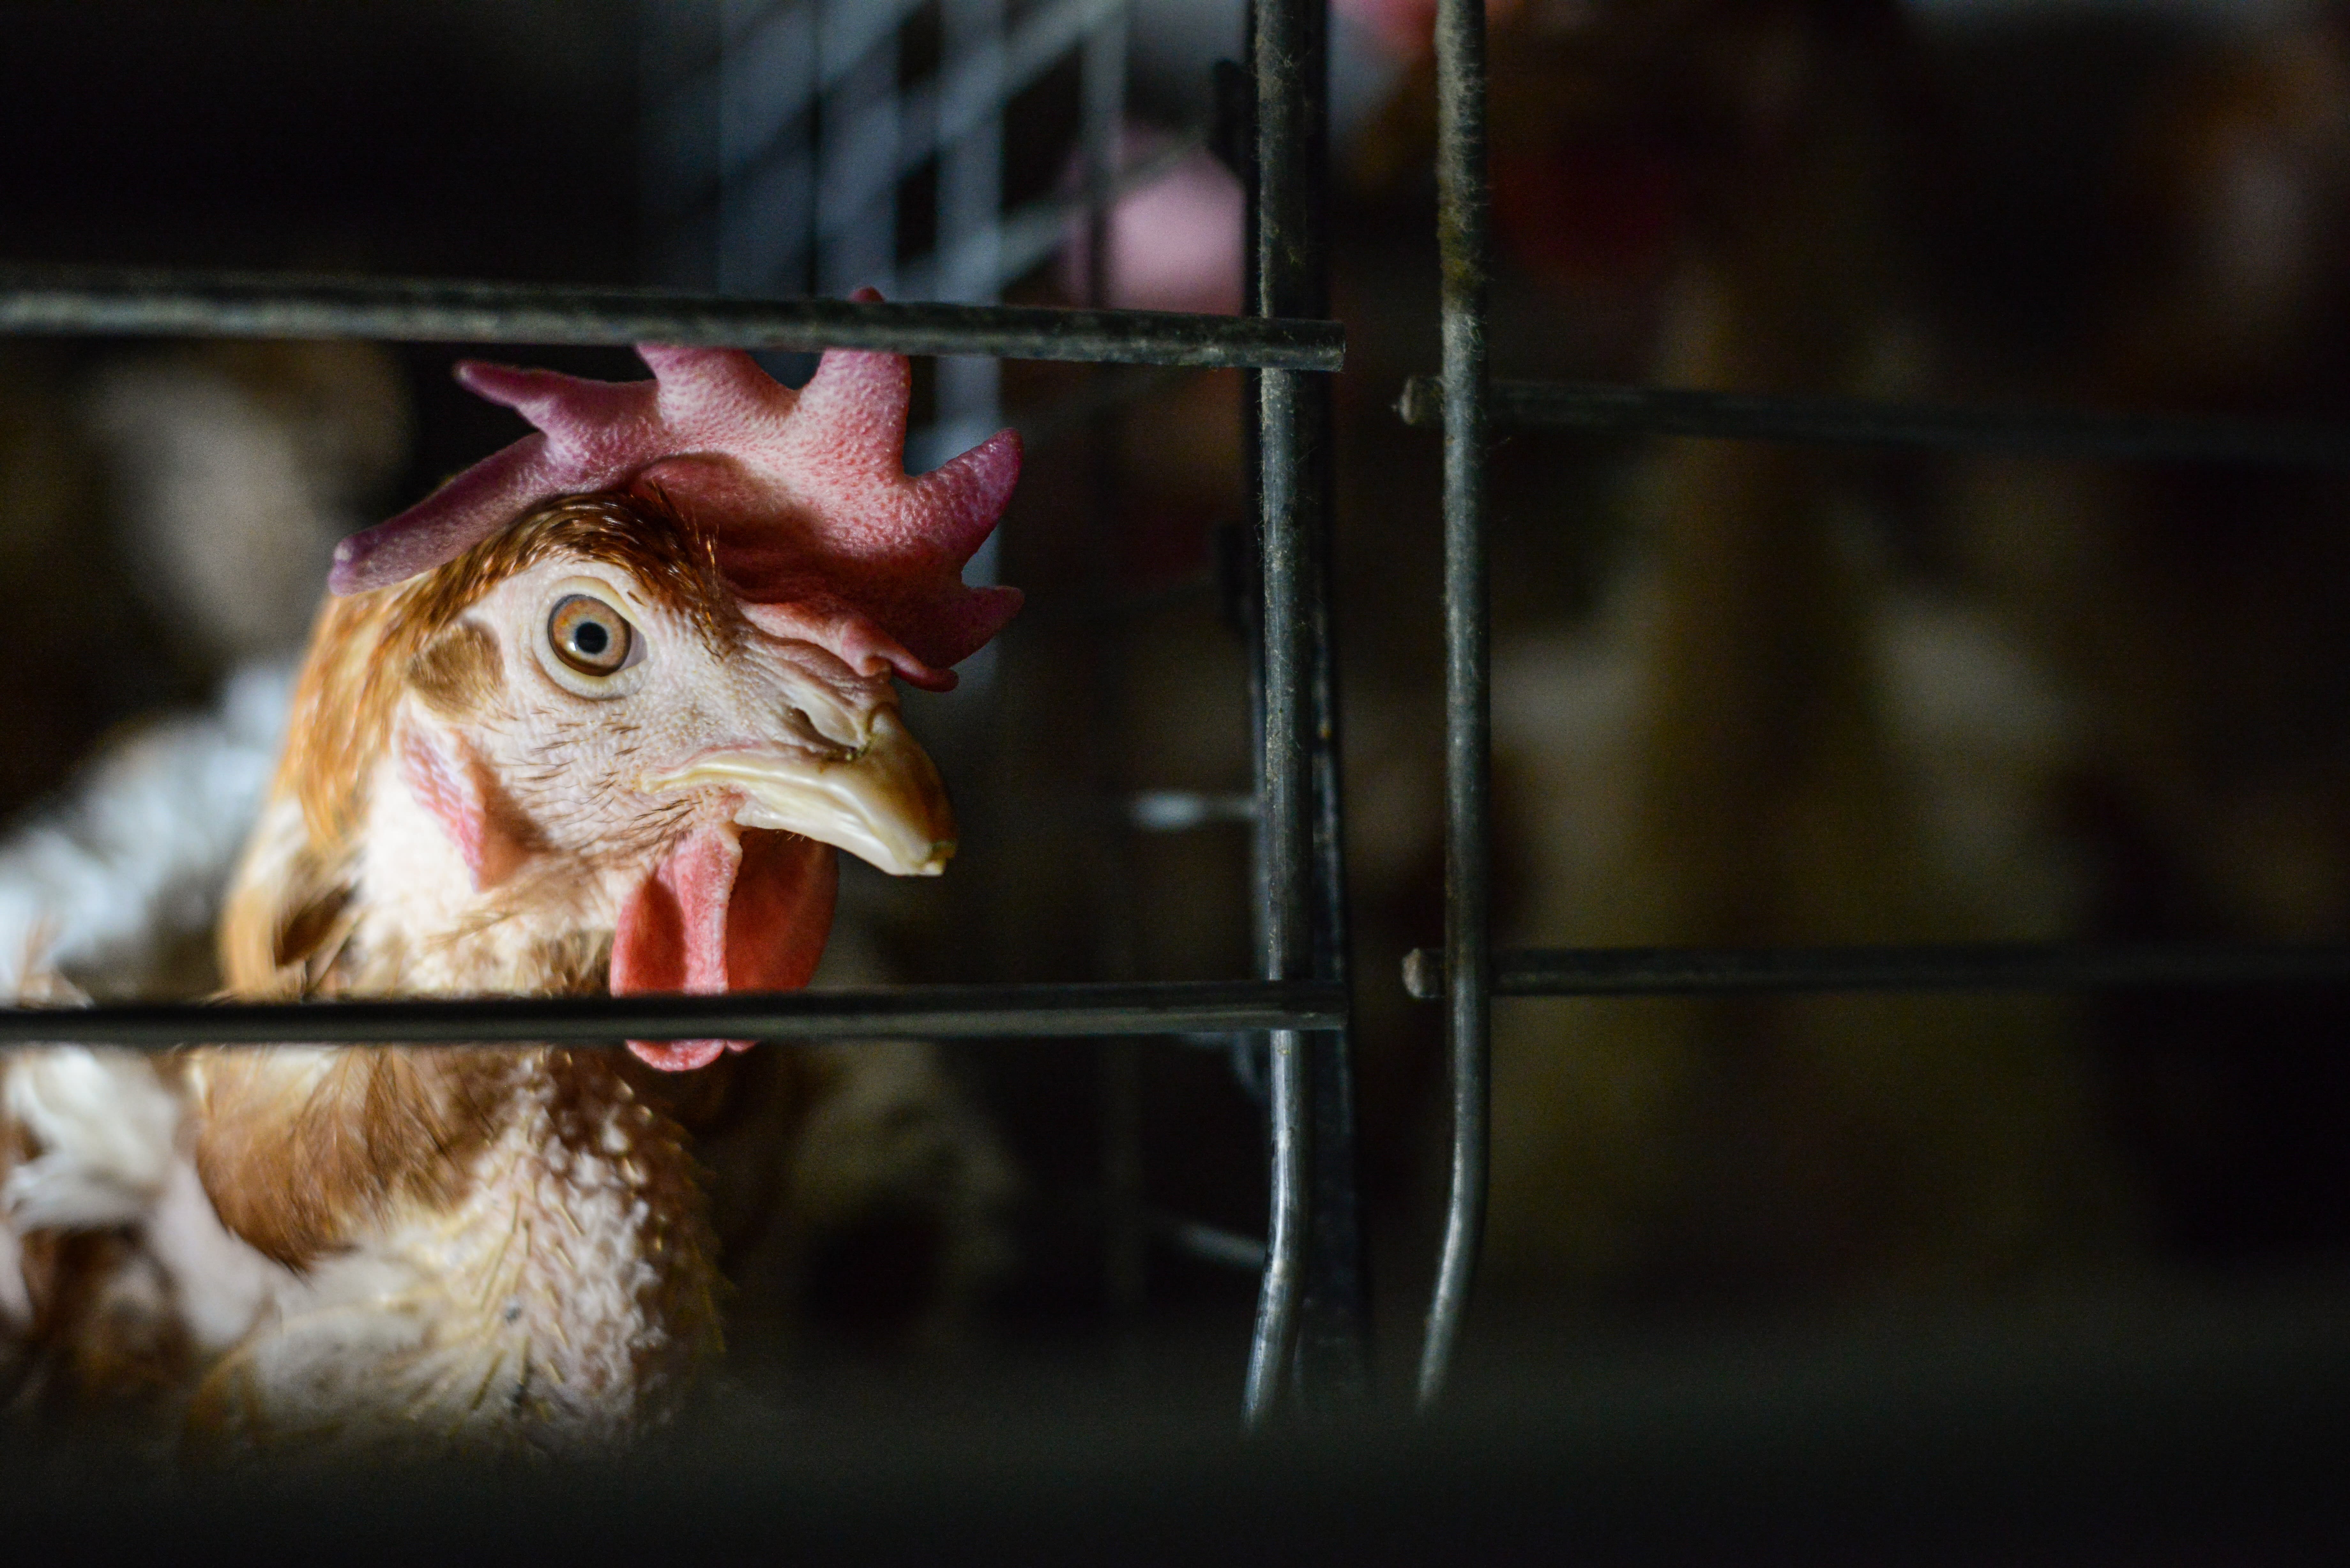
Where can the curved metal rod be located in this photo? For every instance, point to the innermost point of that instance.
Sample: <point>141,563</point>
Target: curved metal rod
<point>1461,202</point>
<point>1286,267</point>
<point>1275,1338</point>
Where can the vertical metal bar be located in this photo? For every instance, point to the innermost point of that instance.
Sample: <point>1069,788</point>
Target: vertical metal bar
<point>1289,51</point>
<point>1334,1314</point>
<point>1102,85</point>
<point>971,207</point>
<point>1461,200</point>
<point>1252,606</point>
<point>1286,867</point>
<point>1271,1337</point>
<point>766,174</point>
<point>971,185</point>
<point>679,89</point>
<point>856,154</point>
<point>1334,1325</point>
<point>970,260</point>
<point>1103,69</point>
<point>1334,1311</point>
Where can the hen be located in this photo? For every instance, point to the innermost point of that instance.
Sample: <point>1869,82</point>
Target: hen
<point>1771,732</point>
<point>596,713</point>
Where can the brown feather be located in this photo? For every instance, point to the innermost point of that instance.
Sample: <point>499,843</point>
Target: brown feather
<point>363,1129</point>
<point>367,1129</point>
<point>457,674</point>
<point>281,923</point>
<point>316,1156</point>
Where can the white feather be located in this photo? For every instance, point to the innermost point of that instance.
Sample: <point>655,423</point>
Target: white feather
<point>106,1127</point>
<point>103,885</point>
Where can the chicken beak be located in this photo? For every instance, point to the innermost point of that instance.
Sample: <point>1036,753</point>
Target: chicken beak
<point>883,804</point>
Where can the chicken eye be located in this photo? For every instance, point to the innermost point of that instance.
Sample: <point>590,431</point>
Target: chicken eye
<point>590,635</point>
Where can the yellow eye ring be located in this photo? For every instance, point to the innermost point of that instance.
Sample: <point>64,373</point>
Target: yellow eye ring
<point>590,635</point>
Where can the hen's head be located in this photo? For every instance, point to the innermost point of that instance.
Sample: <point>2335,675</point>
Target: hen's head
<point>623,689</point>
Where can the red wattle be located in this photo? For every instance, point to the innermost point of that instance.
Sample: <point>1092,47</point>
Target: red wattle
<point>728,909</point>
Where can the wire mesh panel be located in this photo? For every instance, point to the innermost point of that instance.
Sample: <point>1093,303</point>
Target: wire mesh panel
<point>821,146</point>
<point>794,132</point>
<point>796,151</point>
<point>788,136</point>
<point>1466,974</point>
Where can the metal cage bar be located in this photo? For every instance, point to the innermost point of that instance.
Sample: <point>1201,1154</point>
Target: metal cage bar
<point>1960,966</point>
<point>964,1011</point>
<point>1465,975</point>
<point>231,304</point>
<point>1314,1271</point>
<point>1859,421</point>
<point>1312,1262</point>
<point>1462,203</point>
<point>1332,1361</point>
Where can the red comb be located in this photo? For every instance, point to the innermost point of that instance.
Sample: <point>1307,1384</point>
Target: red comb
<point>818,526</point>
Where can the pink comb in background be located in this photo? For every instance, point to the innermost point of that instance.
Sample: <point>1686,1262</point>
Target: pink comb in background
<point>818,525</point>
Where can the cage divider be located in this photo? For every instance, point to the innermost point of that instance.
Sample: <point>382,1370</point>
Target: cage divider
<point>885,1012</point>
<point>1462,212</point>
<point>1600,407</point>
<point>139,302</point>
<point>1311,1332</point>
<point>1332,1362</point>
<point>1924,966</point>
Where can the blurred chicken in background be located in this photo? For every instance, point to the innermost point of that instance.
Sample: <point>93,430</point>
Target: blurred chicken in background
<point>1833,699</point>
<point>218,476</point>
<point>1765,736</point>
<point>1770,729</point>
<point>179,571</point>
<point>2196,619</point>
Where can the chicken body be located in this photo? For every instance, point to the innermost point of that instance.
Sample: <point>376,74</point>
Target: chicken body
<point>549,1291</point>
<point>587,745</point>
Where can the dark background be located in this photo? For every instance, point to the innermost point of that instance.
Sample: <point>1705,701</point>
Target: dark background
<point>502,140</point>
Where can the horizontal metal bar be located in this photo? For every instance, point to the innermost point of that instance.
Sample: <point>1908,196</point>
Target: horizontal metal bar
<point>1974,966</point>
<point>970,1012</point>
<point>1208,1243</point>
<point>1855,422</point>
<point>240,305</point>
<point>1179,810</point>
